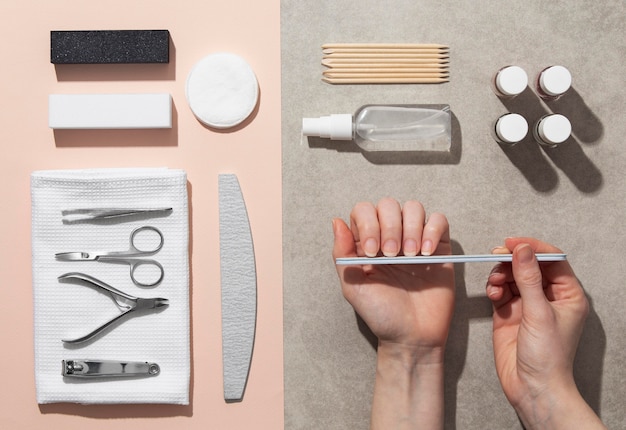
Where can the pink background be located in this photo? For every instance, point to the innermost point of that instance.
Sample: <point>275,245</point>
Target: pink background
<point>252,151</point>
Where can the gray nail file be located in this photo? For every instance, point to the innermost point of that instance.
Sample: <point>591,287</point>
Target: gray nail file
<point>238,282</point>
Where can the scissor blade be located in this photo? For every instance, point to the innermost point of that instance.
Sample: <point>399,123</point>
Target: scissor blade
<point>76,256</point>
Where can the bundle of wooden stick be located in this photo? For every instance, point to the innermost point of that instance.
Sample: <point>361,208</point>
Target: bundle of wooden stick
<point>380,63</point>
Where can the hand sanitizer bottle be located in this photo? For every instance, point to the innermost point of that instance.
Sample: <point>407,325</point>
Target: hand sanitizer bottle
<point>387,128</point>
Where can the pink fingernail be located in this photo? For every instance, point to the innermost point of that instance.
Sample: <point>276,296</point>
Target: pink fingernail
<point>427,247</point>
<point>390,248</point>
<point>410,247</point>
<point>370,247</point>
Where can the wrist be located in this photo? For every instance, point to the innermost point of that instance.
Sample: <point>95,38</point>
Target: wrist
<point>411,356</point>
<point>409,387</point>
<point>556,408</point>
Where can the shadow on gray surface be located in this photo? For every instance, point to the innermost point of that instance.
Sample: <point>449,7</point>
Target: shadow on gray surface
<point>533,160</point>
<point>586,126</point>
<point>589,362</point>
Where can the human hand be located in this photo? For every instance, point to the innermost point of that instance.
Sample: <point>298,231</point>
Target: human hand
<point>539,313</point>
<point>409,305</point>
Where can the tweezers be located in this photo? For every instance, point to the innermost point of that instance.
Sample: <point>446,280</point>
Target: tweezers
<point>88,214</point>
<point>438,259</point>
<point>129,305</point>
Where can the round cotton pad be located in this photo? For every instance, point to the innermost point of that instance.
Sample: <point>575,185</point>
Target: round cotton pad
<point>222,90</point>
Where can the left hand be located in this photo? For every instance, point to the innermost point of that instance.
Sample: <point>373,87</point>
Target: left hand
<point>409,306</point>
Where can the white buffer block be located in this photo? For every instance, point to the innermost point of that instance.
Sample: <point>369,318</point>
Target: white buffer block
<point>101,111</point>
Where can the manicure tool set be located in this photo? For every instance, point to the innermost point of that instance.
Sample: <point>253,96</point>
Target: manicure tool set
<point>129,305</point>
<point>344,64</point>
<point>222,92</point>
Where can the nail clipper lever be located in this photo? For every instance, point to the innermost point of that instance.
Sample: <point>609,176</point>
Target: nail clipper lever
<point>108,368</point>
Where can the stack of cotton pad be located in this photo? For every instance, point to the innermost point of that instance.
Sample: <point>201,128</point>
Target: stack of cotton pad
<point>222,90</point>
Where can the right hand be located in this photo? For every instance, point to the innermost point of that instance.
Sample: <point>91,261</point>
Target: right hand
<point>539,314</point>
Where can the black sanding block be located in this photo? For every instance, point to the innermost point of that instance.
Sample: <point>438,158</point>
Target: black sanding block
<point>109,46</point>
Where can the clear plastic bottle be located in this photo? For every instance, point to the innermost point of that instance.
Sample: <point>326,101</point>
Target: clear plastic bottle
<point>510,128</point>
<point>552,130</point>
<point>510,81</point>
<point>553,82</point>
<point>387,128</point>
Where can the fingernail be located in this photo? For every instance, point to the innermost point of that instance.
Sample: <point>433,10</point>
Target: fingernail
<point>427,247</point>
<point>370,247</point>
<point>500,250</point>
<point>492,291</point>
<point>525,254</point>
<point>410,247</point>
<point>390,248</point>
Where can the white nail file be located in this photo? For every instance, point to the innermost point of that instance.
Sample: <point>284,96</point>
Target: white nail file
<point>115,111</point>
<point>438,259</point>
<point>239,287</point>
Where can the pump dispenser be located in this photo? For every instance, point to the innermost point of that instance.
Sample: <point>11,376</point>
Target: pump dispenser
<point>387,128</point>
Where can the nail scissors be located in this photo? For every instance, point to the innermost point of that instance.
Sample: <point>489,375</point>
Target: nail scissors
<point>129,305</point>
<point>130,257</point>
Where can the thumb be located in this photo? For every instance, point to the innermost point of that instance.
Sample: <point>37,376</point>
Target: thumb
<point>343,245</point>
<point>528,279</point>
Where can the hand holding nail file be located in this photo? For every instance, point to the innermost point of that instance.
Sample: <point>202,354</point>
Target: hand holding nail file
<point>439,259</point>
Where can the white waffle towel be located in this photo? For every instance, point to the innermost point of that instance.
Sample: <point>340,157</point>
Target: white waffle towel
<point>67,311</point>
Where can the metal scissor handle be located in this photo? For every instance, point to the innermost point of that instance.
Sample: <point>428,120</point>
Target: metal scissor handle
<point>134,250</point>
<point>129,257</point>
<point>135,263</point>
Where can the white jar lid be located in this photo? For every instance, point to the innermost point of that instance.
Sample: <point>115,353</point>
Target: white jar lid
<point>222,90</point>
<point>511,80</point>
<point>511,128</point>
<point>555,80</point>
<point>554,129</point>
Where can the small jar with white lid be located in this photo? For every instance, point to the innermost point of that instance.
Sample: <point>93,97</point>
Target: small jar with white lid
<point>510,81</point>
<point>510,128</point>
<point>553,82</point>
<point>552,130</point>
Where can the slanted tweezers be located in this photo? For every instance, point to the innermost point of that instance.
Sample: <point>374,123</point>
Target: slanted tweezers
<point>72,216</point>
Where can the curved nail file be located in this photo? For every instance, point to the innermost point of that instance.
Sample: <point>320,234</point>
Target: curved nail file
<point>238,281</point>
<point>109,46</point>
